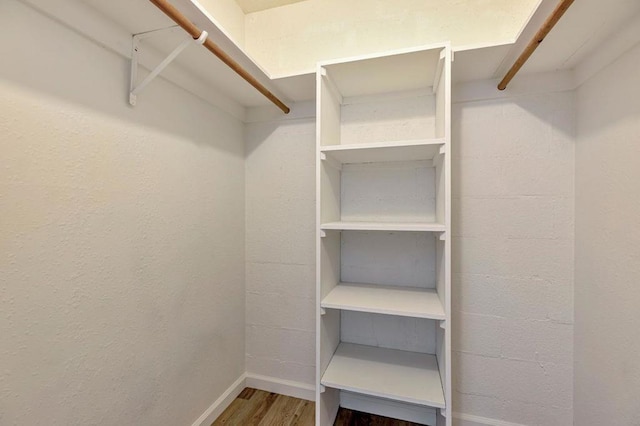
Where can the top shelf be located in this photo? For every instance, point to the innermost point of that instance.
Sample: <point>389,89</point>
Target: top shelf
<point>423,149</point>
<point>406,70</point>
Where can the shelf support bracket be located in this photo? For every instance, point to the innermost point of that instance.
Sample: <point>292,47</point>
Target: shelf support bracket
<point>322,389</point>
<point>323,234</point>
<point>442,236</point>
<point>323,311</point>
<point>330,161</point>
<point>438,158</point>
<point>443,324</point>
<point>135,89</point>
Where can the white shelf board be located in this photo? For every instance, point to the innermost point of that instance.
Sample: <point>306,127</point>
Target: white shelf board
<point>401,70</point>
<point>422,149</point>
<point>384,226</point>
<point>386,373</point>
<point>388,300</point>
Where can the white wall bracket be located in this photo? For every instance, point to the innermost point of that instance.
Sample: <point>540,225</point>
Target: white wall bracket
<point>135,89</point>
<point>330,161</point>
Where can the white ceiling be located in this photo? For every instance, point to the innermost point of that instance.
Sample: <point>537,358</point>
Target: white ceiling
<point>249,6</point>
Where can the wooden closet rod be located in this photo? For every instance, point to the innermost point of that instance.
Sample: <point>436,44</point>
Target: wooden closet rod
<point>195,32</point>
<point>551,21</point>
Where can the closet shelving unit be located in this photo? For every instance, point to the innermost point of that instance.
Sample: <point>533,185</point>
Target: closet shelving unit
<point>383,236</point>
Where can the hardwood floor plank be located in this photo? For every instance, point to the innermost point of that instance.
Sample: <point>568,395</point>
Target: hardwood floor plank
<point>241,410</point>
<point>343,418</point>
<point>262,408</point>
<point>259,408</point>
<point>245,412</point>
<point>306,414</point>
<point>281,412</point>
<point>247,393</point>
<point>228,415</point>
<point>356,418</point>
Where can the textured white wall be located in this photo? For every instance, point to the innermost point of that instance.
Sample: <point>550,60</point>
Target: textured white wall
<point>393,191</point>
<point>607,296</point>
<point>393,119</point>
<point>280,249</point>
<point>291,39</point>
<point>513,259</point>
<point>121,238</point>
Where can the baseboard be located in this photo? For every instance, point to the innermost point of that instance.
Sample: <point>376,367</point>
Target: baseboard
<point>283,387</point>
<point>461,419</point>
<point>221,404</point>
<point>387,408</point>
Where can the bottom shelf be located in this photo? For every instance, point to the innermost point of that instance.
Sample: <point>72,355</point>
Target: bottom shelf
<point>386,373</point>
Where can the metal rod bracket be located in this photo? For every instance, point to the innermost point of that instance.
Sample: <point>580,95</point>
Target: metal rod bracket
<point>136,88</point>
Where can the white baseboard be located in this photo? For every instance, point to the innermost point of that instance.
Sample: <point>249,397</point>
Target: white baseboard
<point>387,408</point>
<point>461,419</point>
<point>283,387</point>
<point>221,404</point>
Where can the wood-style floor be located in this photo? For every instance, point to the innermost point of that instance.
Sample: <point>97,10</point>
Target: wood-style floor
<point>258,408</point>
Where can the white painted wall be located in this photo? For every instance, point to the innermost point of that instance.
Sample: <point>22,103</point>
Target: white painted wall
<point>513,170</point>
<point>388,192</point>
<point>388,119</point>
<point>229,15</point>
<point>122,238</point>
<point>607,297</point>
<point>291,39</point>
<point>280,249</point>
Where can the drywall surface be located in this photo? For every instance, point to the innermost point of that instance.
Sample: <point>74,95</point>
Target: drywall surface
<point>229,15</point>
<point>255,5</point>
<point>121,238</point>
<point>291,39</point>
<point>607,296</point>
<point>513,171</point>
<point>280,249</point>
